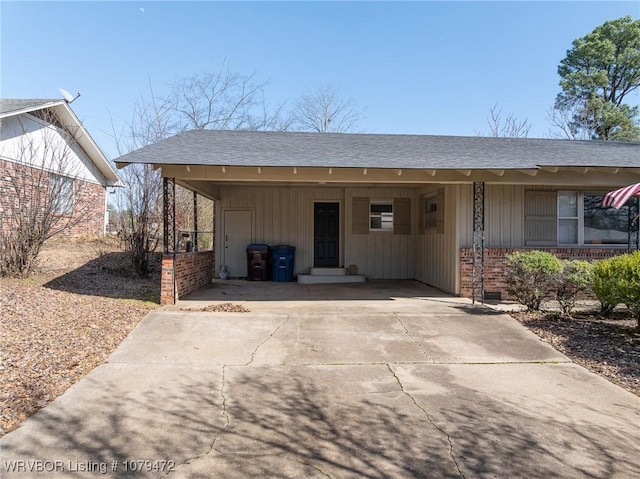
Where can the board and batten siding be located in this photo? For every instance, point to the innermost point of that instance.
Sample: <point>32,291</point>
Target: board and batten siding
<point>503,213</point>
<point>437,249</point>
<point>284,215</point>
<point>382,254</point>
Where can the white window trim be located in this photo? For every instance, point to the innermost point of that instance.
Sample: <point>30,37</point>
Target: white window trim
<point>381,202</point>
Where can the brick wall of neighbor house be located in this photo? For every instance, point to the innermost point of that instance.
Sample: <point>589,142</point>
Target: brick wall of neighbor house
<point>192,270</point>
<point>89,202</point>
<point>88,219</point>
<point>495,261</point>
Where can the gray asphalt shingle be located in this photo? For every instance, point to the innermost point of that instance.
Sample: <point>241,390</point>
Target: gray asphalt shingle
<point>9,105</point>
<point>252,148</point>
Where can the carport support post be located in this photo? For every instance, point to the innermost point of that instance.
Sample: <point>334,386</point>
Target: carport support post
<point>195,221</point>
<point>477,272</point>
<point>168,285</point>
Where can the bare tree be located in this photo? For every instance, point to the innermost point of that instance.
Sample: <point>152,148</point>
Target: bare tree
<point>42,189</point>
<point>215,100</point>
<point>139,202</point>
<point>506,127</point>
<point>222,100</point>
<point>563,125</point>
<point>324,111</point>
<point>140,217</point>
<point>185,219</point>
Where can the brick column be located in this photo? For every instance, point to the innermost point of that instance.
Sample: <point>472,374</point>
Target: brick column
<point>167,290</point>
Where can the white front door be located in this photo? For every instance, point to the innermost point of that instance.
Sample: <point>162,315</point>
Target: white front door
<point>238,235</point>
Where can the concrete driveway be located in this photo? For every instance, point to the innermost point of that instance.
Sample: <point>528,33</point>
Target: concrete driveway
<point>376,380</point>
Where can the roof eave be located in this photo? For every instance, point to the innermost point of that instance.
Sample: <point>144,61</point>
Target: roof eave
<point>40,106</point>
<point>91,148</point>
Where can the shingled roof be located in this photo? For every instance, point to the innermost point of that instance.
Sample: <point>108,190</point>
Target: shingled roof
<point>11,106</point>
<point>251,148</point>
<point>17,106</point>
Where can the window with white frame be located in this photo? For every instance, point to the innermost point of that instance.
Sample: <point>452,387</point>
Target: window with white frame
<point>62,194</point>
<point>381,216</point>
<point>582,220</point>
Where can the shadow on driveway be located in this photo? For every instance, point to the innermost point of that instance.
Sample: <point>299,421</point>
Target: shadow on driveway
<point>287,422</point>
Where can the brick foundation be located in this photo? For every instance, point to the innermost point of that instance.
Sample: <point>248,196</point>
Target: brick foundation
<point>495,260</point>
<point>192,272</point>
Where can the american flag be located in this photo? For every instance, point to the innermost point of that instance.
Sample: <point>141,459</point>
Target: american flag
<point>619,197</point>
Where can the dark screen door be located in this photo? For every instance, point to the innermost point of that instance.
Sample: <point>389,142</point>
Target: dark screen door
<point>326,234</point>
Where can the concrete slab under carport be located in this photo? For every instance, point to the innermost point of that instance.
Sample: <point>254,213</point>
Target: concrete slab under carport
<point>286,297</point>
<point>349,388</point>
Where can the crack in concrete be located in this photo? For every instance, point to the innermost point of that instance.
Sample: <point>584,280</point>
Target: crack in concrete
<point>227,422</point>
<point>428,417</point>
<point>255,351</point>
<point>406,330</point>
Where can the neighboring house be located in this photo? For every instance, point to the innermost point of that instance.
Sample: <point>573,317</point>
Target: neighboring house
<point>44,147</point>
<point>441,210</point>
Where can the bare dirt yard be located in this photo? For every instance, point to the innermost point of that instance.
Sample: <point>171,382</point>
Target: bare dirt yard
<point>63,321</point>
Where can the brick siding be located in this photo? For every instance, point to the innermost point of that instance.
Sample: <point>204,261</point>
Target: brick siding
<point>192,270</point>
<point>88,215</point>
<point>495,261</point>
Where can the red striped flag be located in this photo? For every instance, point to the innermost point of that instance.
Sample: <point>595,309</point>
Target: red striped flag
<point>619,197</point>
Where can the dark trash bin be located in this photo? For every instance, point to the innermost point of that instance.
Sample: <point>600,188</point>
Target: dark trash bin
<point>258,262</point>
<point>282,257</point>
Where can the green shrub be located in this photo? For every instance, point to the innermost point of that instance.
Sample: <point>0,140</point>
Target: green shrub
<point>628,282</point>
<point>575,278</point>
<point>605,284</point>
<point>617,280</point>
<point>529,276</point>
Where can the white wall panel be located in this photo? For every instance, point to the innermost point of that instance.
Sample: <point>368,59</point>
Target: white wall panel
<point>283,215</point>
<point>438,253</point>
<point>28,140</point>
<point>382,255</point>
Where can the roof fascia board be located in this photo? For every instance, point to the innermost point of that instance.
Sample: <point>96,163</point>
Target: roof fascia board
<point>92,149</point>
<point>225,174</point>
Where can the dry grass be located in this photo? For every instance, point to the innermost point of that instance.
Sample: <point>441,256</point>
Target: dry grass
<point>65,320</point>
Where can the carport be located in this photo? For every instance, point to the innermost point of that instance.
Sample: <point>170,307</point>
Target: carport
<point>441,210</point>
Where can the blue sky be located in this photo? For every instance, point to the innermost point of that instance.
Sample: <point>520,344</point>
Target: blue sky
<point>412,67</point>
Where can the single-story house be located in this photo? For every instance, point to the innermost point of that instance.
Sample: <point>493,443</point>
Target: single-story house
<point>44,148</point>
<point>443,210</point>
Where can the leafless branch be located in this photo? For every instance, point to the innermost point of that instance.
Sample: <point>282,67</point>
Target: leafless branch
<point>41,180</point>
<point>506,127</point>
<point>323,111</point>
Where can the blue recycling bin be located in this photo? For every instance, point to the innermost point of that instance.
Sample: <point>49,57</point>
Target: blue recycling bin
<point>282,257</point>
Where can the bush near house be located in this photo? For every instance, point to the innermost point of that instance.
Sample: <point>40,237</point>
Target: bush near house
<point>575,278</point>
<point>530,275</point>
<point>617,281</point>
<point>605,285</point>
